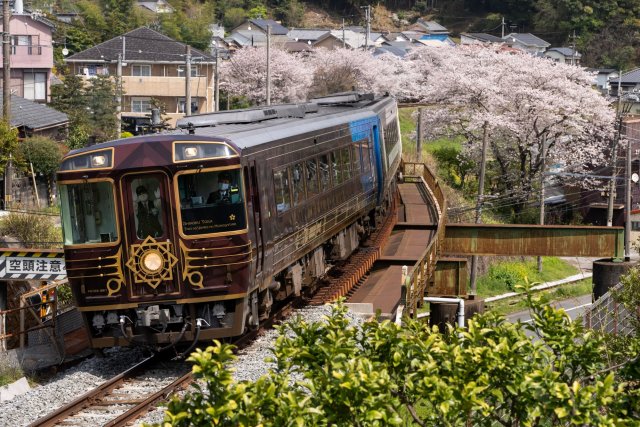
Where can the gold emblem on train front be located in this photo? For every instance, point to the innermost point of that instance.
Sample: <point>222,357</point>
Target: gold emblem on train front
<point>152,262</point>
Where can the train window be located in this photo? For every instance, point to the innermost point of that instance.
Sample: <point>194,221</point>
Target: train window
<point>147,205</point>
<point>355,159</point>
<point>281,190</point>
<point>297,179</point>
<point>311,170</point>
<point>345,163</point>
<point>366,157</point>
<point>325,172</point>
<point>336,168</point>
<point>211,202</point>
<point>88,213</point>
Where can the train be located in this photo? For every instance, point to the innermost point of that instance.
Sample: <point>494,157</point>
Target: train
<point>193,234</point>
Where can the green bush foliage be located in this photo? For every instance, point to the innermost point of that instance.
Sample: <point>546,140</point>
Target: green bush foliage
<point>34,231</point>
<point>44,153</point>
<point>381,374</point>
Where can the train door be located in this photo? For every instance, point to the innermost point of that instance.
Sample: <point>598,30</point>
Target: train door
<point>151,257</point>
<point>254,201</point>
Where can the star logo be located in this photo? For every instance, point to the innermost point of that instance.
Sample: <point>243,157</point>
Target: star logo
<point>232,217</point>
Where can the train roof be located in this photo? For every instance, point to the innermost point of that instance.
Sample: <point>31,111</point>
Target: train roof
<point>247,130</point>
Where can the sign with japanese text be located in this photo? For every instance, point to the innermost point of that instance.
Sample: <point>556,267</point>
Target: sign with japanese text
<point>32,265</point>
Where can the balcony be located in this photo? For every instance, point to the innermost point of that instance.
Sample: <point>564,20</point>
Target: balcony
<point>163,86</point>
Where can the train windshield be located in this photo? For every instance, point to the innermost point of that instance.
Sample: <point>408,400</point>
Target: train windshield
<point>88,213</point>
<point>211,202</point>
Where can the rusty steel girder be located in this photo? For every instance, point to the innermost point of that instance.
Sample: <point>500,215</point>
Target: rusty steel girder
<point>533,240</point>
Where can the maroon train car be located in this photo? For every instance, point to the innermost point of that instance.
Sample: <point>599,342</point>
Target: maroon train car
<point>191,235</point>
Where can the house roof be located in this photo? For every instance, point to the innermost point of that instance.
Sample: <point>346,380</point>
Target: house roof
<point>312,34</point>
<point>527,39</point>
<point>142,44</point>
<point>397,51</point>
<point>394,37</point>
<point>276,28</point>
<point>483,37</point>
<point>249,38</point>
<point>631,77</point>
<point>293,46</point>
<point>566,51</point>
<point>352,39</point>
<point>431,26</point>
<point>34,116</point>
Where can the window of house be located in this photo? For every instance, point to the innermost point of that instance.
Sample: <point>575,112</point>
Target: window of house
<point>635,225</point>
<point>140,105</point>
<point>141,70</point>
<point>35,86</point>
<point>182,104</point>
<point>182,71</point>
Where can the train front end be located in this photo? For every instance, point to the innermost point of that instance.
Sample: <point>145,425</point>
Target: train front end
<point>156,240</point>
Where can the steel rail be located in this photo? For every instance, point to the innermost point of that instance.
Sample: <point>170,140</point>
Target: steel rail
<point>87,399</point>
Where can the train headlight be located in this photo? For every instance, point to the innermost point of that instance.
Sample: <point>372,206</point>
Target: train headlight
<point>190,152</point>
<point>98,161</point>
<point>152,262</point>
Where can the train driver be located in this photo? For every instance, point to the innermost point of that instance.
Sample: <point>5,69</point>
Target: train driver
<point>226,193</point>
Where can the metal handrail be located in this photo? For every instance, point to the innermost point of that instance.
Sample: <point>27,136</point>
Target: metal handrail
<point>425,267</point>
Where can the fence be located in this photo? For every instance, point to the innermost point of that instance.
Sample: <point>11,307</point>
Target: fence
<point>609,316</point>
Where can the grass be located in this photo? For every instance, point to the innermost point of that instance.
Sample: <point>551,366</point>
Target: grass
<point>502,277</point>
<point>566,291</point>
<point>9,375</point>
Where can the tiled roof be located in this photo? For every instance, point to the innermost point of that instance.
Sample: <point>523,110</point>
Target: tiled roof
<point>397,51</point>
<point>34,116</point>
<point>484,37</point>
<point>141,44</point>
<point>527,39</point>
<point>276,29</point>
<point>312,34</point>
<point>632,77</point>
<point>566,51</point>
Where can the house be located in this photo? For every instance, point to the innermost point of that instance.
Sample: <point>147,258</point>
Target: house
<point>629,86</point>
<point>34,119</point>
<point>156,6</point>
<point>526,42</point>
<point>346,38</point>
<point>479,38</point>
<point>307,35</point>
<point>253,32</point>
<point>436,40</point>
<point>31,54</point>
<point>564,55</point>
<point>153,68</point>
<point>601,78</point>
<point>428,27</point>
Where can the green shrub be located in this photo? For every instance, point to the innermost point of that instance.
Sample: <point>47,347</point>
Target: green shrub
<point>44,153</point>
<point>34,231</point>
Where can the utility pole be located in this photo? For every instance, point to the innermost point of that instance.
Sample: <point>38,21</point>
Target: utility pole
<point>216,81</point>
<point>573,48</point>
<point>6,62</point>
<point>344,43</point>
<point>268,64</point>
<point>187,87</point>
<point>367,18</point>
<point>627,203</point>
<point>419,135</point>
<point>614,155</point>
<point>542,170</point>
<point>483,165</point>
<point>119,88</point>
<point>502,27</point>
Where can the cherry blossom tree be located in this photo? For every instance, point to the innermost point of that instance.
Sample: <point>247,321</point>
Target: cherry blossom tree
<point>518,102</point>
<point>245,75</point>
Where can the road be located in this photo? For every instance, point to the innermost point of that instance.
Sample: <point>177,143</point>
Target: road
<point>573,306</point>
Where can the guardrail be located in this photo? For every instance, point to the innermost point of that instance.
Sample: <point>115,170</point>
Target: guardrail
<point>424,269</point>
